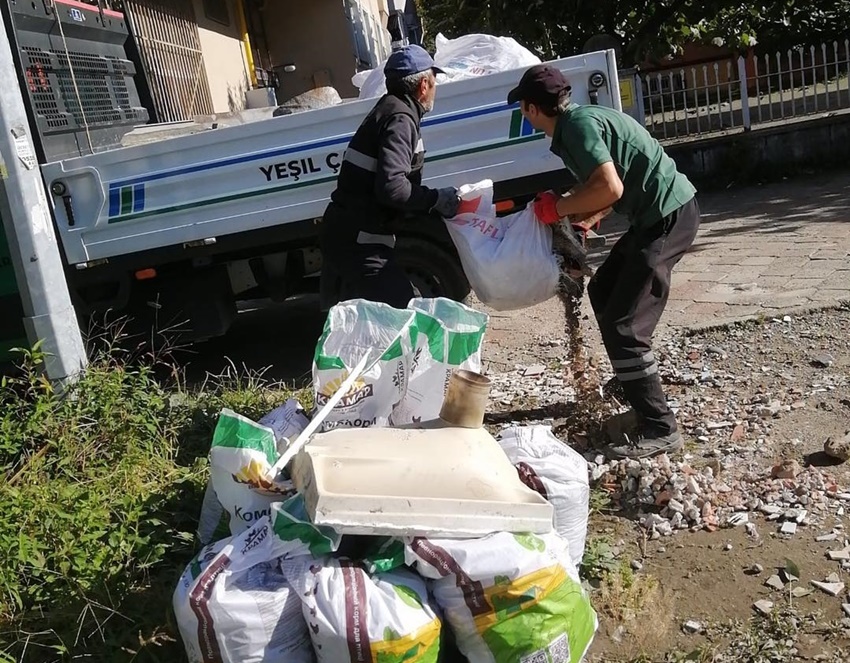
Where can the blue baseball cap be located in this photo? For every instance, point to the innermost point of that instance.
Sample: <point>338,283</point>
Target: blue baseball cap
<point>409,60</point>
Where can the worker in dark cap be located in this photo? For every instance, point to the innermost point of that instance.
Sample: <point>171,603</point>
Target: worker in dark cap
<point>380,181</point>
<point>619,165</point>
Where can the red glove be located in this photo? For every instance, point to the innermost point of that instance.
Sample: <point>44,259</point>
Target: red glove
<point>545,208</point>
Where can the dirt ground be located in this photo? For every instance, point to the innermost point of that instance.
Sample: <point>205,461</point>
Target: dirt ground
<point>705,576</point>
<point>689,596</point>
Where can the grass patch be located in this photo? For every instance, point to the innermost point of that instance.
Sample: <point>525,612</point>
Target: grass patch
<point>636,604</point>
<point>101,491</point>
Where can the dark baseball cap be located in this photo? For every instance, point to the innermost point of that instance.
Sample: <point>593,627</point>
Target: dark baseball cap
<point>541,84</point>
<point>409,60</point>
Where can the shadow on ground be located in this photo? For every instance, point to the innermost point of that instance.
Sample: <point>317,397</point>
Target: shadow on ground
<point>278,340</point>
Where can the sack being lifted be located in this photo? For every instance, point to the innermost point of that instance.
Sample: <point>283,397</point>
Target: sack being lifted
<point>508,260</point>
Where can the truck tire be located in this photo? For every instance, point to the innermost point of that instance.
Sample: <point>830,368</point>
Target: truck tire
<point>433,269</point>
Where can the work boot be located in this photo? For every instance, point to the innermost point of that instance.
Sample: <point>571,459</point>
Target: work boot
<point>643,443</point>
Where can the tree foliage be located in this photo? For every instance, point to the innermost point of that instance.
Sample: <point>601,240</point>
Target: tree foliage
<point>557,28</point>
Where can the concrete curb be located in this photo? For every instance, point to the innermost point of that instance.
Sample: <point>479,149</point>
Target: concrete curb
<point>693,330</point>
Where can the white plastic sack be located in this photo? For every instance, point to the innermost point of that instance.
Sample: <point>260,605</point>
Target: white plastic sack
<point>508,598</point>
<point>241,454</point>
<point>508,260</point>
<point>558,473</point>
<point>465,57</point>
<point>449,336</point>
<point>352,329</point>
<point>479,55</point>
<point>233,603</point>
<point>354,617</point>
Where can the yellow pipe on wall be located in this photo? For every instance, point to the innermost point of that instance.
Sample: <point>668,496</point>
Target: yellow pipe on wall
<point>246,41</point>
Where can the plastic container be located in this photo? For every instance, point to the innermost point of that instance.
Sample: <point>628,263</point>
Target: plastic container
<point>466,400</point>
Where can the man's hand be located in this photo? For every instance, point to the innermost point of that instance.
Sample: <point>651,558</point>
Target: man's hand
<point>447,202</point>
<point>546,208</point>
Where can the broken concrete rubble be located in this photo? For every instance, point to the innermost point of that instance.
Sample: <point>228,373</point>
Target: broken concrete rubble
<point>788,528</point>
<point>838,448</point>
<point>775,582</point>
<point>764,607</point>
<point>693,627</point>
<point>839,555</point>
<point>686,497</point>
<point>831,588</point>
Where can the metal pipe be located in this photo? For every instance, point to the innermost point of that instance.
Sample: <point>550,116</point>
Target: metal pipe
<point>49,315</point>
<point>245,38</point>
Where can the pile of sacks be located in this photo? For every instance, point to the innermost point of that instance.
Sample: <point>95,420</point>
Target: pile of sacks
<point>281,589</point>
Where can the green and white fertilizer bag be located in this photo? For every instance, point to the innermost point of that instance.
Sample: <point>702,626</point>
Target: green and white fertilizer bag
<point>353,329</point>
<point>354,617</point>
<point>448,337</point>
<point>233,603</point>
<point>508,598</point>
<point>242,452</point>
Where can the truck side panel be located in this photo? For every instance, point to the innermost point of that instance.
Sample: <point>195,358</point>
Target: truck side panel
<point>222,182</point>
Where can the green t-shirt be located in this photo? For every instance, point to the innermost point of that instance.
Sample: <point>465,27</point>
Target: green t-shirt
<point>588,136</point>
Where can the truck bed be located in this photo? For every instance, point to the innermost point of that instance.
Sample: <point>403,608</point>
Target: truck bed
<point>190,189</point>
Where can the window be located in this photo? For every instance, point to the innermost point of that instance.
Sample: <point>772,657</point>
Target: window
<point>216,10</point>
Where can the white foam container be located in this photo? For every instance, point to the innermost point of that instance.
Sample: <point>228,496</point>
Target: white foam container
<point>445,482</point>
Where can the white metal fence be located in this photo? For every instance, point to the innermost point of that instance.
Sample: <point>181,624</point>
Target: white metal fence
<point>737,93</point>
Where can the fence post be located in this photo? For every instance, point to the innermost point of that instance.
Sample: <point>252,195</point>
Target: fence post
<point>745,95</point>
<point>639,100</point>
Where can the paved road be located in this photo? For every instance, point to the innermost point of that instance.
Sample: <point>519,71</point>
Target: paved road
<point>762,250</point>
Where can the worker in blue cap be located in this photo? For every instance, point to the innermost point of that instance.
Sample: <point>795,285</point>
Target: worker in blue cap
<point>379,183</point>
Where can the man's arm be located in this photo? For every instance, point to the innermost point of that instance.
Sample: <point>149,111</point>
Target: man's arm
<point>602,189</point>
<point>395,154</point>
<point>600,185</point>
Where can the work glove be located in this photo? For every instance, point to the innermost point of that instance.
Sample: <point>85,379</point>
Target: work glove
<point>447,202</point>
<point>545,208</point>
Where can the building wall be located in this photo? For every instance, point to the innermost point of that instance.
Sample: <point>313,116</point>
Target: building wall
<point>375,15</point>
<point>314,36</point>
<point>224,58</point>
<point>318,38</point>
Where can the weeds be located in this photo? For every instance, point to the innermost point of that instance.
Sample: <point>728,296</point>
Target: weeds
<point>600,500</point>
<point>599,559</point>
<point>100,494</point>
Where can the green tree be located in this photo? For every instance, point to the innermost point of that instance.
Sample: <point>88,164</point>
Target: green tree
<point>557,28</point>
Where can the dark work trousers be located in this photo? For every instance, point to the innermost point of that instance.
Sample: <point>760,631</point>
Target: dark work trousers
<point>628,293</point>
<point>363,271</point>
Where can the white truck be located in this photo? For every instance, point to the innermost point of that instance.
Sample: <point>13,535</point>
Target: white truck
<point>188,226</point>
